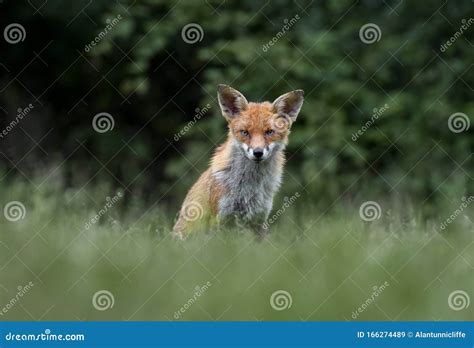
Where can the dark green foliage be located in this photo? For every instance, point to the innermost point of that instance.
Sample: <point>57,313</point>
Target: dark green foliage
<point>151,81</point>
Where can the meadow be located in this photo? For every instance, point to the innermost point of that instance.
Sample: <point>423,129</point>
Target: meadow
<point>314,265</point>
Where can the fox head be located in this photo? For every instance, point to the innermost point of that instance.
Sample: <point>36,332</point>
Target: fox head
<point>259,128</point>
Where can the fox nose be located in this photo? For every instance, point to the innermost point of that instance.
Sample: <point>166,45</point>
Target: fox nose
<point>258,152</point>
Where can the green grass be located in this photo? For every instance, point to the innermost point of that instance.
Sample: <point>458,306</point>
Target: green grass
<point>329,263</point>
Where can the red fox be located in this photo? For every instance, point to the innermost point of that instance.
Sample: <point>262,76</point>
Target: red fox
<point>245,171</point>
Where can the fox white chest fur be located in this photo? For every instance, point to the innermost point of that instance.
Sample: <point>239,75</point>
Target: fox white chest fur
<point>249,185</point>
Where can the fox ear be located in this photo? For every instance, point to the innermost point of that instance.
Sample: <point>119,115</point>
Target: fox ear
<point>231,101</point>
<point>289,104</point>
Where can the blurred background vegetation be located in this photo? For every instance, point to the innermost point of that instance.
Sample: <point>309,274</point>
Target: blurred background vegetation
<point>151,81</point>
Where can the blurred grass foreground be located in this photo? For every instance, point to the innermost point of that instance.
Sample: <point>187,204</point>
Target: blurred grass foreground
<point>338,266</point>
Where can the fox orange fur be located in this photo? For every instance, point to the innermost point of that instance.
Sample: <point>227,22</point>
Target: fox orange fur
<point>245,171</point>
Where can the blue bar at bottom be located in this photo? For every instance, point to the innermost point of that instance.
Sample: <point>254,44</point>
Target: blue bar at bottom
<point>236,334</point>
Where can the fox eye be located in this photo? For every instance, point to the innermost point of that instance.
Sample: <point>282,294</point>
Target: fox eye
<point>244,133</point>
<point>269,132</point>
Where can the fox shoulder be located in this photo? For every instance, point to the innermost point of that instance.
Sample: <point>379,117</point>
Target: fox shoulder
<point>222,155</point>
